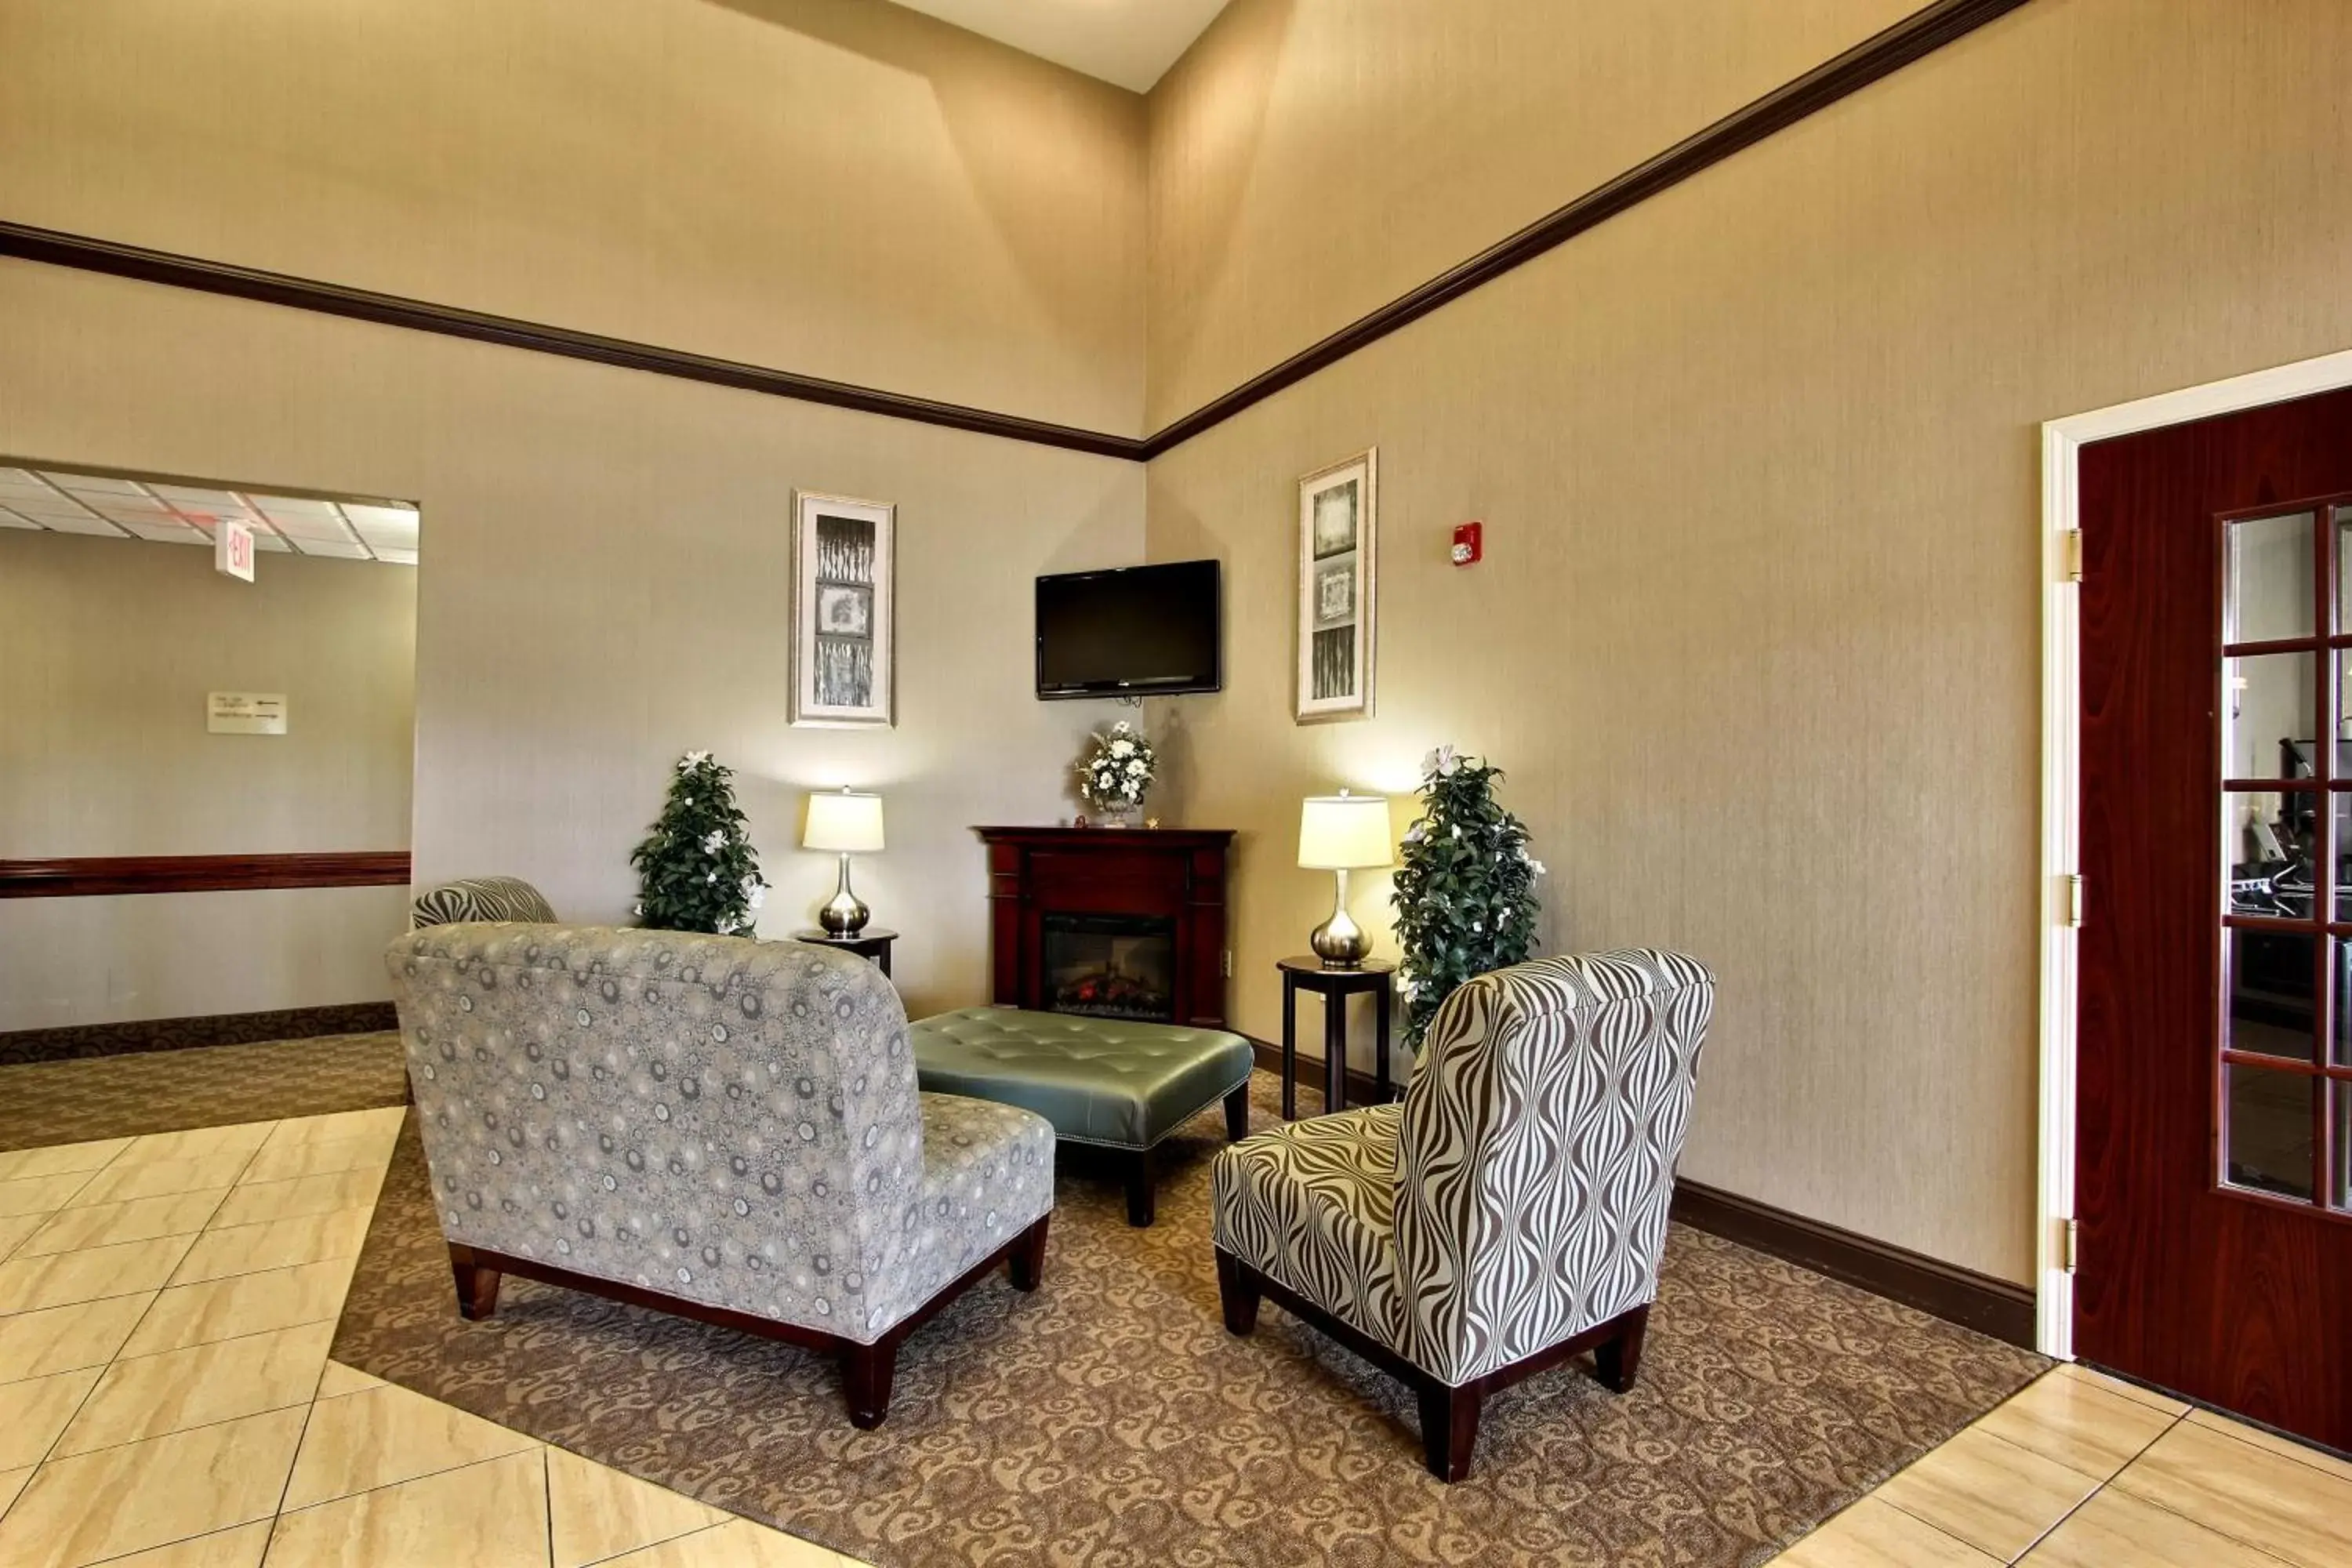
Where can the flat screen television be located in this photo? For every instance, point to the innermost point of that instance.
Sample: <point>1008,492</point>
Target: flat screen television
<point>1140,631</point>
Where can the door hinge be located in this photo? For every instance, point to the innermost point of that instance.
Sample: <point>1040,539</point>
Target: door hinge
<point>2072,1242</point>
<point>2074,902</point>
<point>2074,555</point>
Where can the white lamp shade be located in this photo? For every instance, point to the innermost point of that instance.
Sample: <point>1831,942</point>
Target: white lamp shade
<point>1345,832</point>
<point>845,821</point>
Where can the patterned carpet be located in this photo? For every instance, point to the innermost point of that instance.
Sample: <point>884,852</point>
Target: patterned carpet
<point>1109,1419</point>
<point>205,1085</point>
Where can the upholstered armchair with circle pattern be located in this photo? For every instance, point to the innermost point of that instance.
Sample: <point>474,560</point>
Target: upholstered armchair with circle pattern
<point>1509,1214</point>
<point>717,1127</point>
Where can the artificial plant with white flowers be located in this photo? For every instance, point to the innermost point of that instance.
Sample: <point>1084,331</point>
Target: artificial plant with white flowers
<point>697,870</point>
<point>1463,889</point>
<point>1117,769</point>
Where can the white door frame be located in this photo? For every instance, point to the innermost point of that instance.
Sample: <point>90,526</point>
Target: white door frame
<point>2062,444</point>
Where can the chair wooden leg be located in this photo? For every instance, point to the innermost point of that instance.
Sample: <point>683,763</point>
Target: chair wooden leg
<point>477,1286</point>
<point>1237,1292</point>
<point>1027,1264</point>
<point>1140,1204</point>
<point>1449,1428</point>
<point>1237,1115</point>
<point>865,1374</point>
<point>1618,1361</point>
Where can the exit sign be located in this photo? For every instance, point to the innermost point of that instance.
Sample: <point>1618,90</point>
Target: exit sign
<point>233,550</point>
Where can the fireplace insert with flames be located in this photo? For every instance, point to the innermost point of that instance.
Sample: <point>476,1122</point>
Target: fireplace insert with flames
<point>1110,966</point>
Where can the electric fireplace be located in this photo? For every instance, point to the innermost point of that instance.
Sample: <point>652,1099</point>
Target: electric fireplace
<point>1110,966</point>
<point>1109,923</point>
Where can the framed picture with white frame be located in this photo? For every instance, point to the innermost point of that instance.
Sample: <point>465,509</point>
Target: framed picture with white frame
<point>842,633</point>
<point>1338,513</point>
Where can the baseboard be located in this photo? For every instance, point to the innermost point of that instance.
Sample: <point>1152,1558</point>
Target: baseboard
<point>1360,1086</point>
<point>78,1040</point>
<point>1995,1307</point>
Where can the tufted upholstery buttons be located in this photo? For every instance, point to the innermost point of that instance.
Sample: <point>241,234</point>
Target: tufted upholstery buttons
<point>1098,1081</point>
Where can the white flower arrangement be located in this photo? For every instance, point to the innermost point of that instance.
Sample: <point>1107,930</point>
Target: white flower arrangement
<point>1117,768</point>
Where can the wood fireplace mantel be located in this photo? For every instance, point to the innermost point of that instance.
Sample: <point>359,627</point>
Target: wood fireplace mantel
<point>1174,874</point>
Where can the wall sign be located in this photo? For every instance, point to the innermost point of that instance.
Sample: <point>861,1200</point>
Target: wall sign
<point>233,550</point>
<point>244,712</point>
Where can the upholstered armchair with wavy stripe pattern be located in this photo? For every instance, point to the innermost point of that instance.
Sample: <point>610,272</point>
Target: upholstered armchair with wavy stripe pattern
<point>510,900</point>
<point>1509,1214</point>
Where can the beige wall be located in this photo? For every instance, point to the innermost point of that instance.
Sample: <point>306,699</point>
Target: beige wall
<point>838,188</point>
<point>606,583</point>
<point>1314,159</point>
<point>107,650</point>
<point>1758,634</point>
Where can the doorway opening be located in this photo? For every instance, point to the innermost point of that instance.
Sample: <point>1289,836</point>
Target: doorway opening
<point>211,690</point>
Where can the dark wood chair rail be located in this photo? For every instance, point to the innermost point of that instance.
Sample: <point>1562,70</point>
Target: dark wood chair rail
<point>95,876</point>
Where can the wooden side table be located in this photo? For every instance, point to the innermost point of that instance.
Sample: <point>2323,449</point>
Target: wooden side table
<point>873,942</point>
<point>1335,986</point>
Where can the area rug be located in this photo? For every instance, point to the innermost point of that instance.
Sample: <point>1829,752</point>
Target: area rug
<point>1110,1420</point>
<point>204,1086</point>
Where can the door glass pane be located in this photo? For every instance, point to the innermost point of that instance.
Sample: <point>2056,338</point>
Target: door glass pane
<point>2272,978</point>
<point>2270,577</point>
<point>2343,726</point>
<point>2268,838</point>
<point>2343,569</point>
<point>2339,1180</point>
<point>2266,1132</point>
<point>2342,843</point>
<point>2340,969</point>
<point>2271,714</point>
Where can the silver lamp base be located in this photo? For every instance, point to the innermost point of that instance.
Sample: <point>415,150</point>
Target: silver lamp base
<point>847,915</point>
<point>1339,942</point>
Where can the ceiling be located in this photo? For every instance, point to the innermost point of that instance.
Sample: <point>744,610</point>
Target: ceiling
<point>57,501</point>
<point>1131,43</point>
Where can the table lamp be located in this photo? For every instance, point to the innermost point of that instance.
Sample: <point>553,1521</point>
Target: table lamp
<point>1343,833</point>
<point>848,823</point>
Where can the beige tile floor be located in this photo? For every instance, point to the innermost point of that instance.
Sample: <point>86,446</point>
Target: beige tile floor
<point>2079,1470</point>
<point>166,1305</point>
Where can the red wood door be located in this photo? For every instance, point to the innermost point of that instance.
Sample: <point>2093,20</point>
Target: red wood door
<point>2215,1250</point>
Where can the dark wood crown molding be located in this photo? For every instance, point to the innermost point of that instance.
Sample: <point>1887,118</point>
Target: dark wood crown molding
<point>115,260</point>
<point>96,876</point>
<point>1912,39</point>
<point>1915,37</point>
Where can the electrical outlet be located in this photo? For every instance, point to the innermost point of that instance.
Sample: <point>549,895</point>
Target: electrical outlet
<point>1227,963</point>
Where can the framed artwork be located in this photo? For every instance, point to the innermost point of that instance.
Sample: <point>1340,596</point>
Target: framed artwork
<point>842,629</point>
<point>1338,530</point>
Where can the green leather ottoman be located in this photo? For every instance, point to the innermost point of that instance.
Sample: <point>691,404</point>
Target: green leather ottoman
<point>1102,1081</point>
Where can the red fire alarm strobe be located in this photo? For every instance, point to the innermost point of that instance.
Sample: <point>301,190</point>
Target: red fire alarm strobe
<point>1469,543</point>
